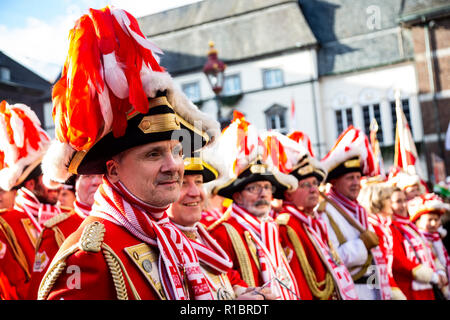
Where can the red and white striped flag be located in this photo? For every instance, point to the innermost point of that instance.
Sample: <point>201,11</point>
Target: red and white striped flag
<point>379,163</point>
<point>405,156</point>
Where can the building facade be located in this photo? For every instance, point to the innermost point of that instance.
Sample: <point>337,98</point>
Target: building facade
<point>19,84</point>
<point>310,65</point>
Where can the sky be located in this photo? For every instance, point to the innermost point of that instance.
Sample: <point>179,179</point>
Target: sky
<point>35,32</point>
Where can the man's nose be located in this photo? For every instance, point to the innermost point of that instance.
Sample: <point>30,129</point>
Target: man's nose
<point>193,190</point>
<point>170,163</point>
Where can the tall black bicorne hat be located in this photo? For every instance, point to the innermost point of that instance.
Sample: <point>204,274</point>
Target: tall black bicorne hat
<point>241,152</point>
<point>113,95</point>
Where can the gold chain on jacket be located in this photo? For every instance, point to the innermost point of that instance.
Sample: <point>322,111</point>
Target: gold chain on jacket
<point>310,276</point>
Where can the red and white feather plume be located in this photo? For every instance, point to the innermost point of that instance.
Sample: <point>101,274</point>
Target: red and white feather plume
<point>23,142</point>
<point>110,72</point>
<point>303,138</point>
<point>426,203</point>
<point>240,145</point>
<point>351,143</point>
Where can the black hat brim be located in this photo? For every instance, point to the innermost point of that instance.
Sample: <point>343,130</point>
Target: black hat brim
<point>93,161</point>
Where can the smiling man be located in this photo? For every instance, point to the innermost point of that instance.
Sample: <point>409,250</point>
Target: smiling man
<point>186,213</point>
<point>127,248</point>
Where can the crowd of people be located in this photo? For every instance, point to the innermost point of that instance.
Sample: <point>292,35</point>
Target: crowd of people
<point>141,196</point>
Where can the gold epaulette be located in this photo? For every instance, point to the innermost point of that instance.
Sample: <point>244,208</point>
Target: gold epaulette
<point>91,240</point>
<point>283,219</point>
<point>50,223</point>
<point>322,205</point>
<point>3,210</point>
<point>223,218</point>
<point>92,237</point>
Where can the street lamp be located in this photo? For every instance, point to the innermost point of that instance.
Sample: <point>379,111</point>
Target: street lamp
<point>214,70</point>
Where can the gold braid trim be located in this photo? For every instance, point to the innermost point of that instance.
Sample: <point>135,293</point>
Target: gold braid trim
<point>15,247</point>
<point>341,238</point>
<point>363,267</point>
<point>310,276</point>
<point>50,279</point>
<point>117,275</point>
<point>54,271</point>
<point>116,268</point>
<point>241,253</point>
<point>59,236</point>
<point>56,219</point>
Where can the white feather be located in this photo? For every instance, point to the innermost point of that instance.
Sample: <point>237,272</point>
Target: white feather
<point>18,129</point>
<point>115,77</point>
<point>124,22</point>
<point>105,108</point>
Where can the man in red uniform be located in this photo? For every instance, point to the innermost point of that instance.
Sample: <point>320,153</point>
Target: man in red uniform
<point>349,229</point>
<point>317,268</point>
<point>247,231</point>
<point>139,125</point>
<point>21,153</point>
<point>58,228</point>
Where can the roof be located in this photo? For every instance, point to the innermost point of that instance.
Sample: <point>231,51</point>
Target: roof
<point>22,76</point>
<point>240,30</point>
<point>350,35</point>
<point>357,34</point>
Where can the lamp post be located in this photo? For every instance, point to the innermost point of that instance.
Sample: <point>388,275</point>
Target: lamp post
<point>214,70</point>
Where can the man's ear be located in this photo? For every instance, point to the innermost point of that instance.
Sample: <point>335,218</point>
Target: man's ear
<point>237,197</point>
<point>30,184</point>
<point>288,196</point>
<point>111,170</point>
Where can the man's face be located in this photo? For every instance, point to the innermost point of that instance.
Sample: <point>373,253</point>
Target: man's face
<point>399,204</point>
<point>429,222</point>
<point>412,191</point>
<point>152,172</point>
<point>86,186</point>
<point>7,198</point>
<point>44,194</point>
<point>348,185</point>
<point>306,196</point>
<point>66,198</point>
<point>255,198</point>
<point>187,210</point>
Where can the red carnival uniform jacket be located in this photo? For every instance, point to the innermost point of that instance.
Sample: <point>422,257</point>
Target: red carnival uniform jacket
<point>18,238</point>
<point>55,231</point>
<point>102,260</point>
<point>403,268</point>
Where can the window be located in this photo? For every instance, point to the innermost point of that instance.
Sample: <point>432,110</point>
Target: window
<point>276,118</point>
<point>5,73</point>
<point>344,118</point>
<point>272,78</point>
<point>192,91</point>
<point>232,85</point>
<point>406,111</point>
<point>370,112</point>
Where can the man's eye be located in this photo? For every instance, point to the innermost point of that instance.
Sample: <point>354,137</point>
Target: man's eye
<point>152,154</point>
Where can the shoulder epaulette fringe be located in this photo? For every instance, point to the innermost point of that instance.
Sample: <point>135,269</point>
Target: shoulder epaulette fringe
<point>225,217</point>
<point>50,223</point>
<point>283,219</point>
<point>92,237</point>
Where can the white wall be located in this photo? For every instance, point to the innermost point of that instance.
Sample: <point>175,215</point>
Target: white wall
<point>374,86</point>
